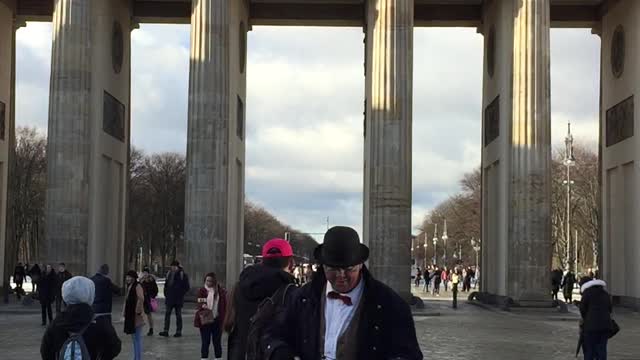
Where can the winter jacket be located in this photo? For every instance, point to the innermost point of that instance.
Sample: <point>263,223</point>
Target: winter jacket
<point>60,279</point>
<point>386,329</point>
<point>100,338</point>
<point>133,308</point>
<point>105,289</point>
<point>257,283</point>
<point>46,287</point>
<point>176,288</point>
<point>19,274</point>
<point>150,288</point>
<point>595,306</point>
<point>222,304</point>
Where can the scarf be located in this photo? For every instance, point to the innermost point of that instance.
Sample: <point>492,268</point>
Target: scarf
<point>130,309</point>
<point>212,300</point>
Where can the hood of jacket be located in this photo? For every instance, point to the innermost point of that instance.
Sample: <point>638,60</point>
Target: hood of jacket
<point>592,283</point>
<point>258,282</point>
<point>74,318</point>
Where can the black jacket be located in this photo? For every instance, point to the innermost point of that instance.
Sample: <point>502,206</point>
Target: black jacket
<point>257,283</point>
<point>105,289</point>
<point>19,274</point>
<point>100,337</point>
<point>46,287</point>
<point>595,306</point>
<point>176,287</point>
<point>386,330</point>
<point>60,279</point>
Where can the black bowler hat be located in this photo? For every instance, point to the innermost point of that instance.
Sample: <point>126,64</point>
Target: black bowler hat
<point>341,248</point>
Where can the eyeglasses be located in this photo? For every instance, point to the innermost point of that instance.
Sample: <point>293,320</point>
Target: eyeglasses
<point>346,270</point>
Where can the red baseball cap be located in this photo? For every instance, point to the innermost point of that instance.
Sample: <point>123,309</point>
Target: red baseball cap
<point>276,248</point>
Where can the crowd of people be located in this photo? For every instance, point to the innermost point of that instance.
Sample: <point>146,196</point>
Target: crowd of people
<point>277,310</point>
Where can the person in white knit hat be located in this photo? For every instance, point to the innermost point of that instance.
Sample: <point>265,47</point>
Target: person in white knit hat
<point>102,342</point>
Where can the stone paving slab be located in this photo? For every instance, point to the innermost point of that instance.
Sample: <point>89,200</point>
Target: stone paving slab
<point>469,333</point>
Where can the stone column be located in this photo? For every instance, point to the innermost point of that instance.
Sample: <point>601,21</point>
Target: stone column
<point>68,148</point>
<point>209,156</point>
<point>530,195</point>
<point>387,197</point>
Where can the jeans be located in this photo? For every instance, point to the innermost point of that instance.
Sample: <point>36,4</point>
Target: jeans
<point>594,346</point>
<point>46,310</point>
<point>167,318</point>
<point>137,343</point>
<point>454,287</point>
<point>211,333</point>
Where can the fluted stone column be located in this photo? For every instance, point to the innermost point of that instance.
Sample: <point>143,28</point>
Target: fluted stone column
<point>530,220</point>
<point>68,150</point>
<point>215,152</point>
<point>387,197</point>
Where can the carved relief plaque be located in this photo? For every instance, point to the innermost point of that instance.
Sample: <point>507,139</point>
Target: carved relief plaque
<point>117,47</point>
<point>113,120</point>
<point>492,121</point>
<point>620,122</point>
<point>242,55</point>
<point>491,51</point>
<point>618,52</point>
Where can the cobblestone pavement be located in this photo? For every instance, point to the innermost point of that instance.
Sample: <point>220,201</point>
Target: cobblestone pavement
<point>469,333</point>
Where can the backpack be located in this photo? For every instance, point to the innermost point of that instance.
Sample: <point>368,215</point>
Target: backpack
<point>74,347</point>
<point>267,311</point>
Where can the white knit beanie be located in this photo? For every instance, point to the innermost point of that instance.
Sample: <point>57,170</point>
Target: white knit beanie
<point>78,290</point>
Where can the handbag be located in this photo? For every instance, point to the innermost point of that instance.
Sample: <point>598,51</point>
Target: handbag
<point>614,329</point>
<point>205,316</point>
<point>154,304</point>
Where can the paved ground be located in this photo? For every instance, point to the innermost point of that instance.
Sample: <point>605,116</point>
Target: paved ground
<point>469,333</point>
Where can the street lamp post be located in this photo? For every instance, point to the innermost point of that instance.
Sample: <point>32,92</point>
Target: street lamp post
<point>435,244</point>
<point>444,241</point>
<point>569,161</point>
<point>425,249</point>
<point>476,247</point>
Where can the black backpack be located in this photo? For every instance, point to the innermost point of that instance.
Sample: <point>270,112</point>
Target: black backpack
<point>74,347</point>
<point>266,313</point>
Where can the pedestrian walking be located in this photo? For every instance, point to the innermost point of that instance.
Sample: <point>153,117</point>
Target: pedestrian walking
<point>104,291</point>
<point>150,287</point>
<point>556,280</point>
<point>418,276</point>
<point>175,288</point>
<point>257,283</point>
<point>77,318</point>
<point>568,282</point>
<point>18,278</point>
<point>210,312</point>
<point>455,280</point>
<point>133,312</point>
<point>437,279</point>
<point>46,293</point>
<point>444,275</point>
<point>35,272</point>
<point>427,279</point>
<point>61,276</point>
<point>595,309</point>
<point>344,313</point>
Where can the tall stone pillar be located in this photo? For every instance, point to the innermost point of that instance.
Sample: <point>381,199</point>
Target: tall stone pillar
<point>620,149</point>
<point>214,210</point>
<point>7,133</point>
<point>516,211</point>
<point>88,135</point>
<point>387,152</point>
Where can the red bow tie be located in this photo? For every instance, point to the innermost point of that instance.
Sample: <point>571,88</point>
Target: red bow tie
<point>336,296</point>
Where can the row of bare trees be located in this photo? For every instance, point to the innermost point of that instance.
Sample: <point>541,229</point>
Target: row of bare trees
<point>156,208</point>
<point>462,212</point>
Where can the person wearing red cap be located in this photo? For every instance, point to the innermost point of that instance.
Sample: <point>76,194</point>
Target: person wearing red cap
<point>257,283</point>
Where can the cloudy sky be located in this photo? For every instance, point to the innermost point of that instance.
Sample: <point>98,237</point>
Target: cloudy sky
<point>304,109</point>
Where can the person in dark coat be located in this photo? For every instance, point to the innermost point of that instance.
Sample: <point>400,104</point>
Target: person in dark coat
<point>35,274</point>
<point>150,287</point>
<point>595,309</point>
<point>105,289</point>
<point>61,276</point>
<point>102,342</point>
<point>212,297</point>
<point>556,280</point>
<point>46,293</point>
<point>19,276</point>
<point>344,313</point>
<point>568,282</point>
<point>257,283</point>
<point>175,288</point>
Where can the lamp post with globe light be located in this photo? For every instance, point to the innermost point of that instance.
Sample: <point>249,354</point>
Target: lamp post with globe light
<point>476,247</point>
<point>444,241</point>
<point>425,249</point>
<point>569,161</point>
<point>435,244</point>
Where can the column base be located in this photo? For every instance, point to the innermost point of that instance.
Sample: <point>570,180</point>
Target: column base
<point>629,302</point>
<point>507,303</point>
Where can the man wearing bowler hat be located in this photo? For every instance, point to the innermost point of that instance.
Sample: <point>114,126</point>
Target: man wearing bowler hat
<point>343,313</point>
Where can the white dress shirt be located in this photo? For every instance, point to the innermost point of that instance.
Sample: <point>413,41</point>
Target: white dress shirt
<point>337,317</point>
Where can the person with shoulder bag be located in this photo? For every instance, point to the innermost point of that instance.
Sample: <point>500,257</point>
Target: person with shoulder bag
<point>597,324</point>
<point>150,287</point>
<point>210,313</point>
<point>133,312</point>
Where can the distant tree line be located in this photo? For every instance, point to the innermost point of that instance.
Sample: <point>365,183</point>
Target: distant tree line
<point>156,208</point>
<point>462,211</point>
